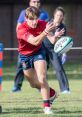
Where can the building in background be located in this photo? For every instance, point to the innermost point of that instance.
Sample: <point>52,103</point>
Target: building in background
<point>9,11</point>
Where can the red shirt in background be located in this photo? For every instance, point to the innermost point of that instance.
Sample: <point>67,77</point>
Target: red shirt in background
<point>23,33</point>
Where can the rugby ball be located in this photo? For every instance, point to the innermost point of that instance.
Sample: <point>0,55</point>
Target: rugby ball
<point>63,45</point>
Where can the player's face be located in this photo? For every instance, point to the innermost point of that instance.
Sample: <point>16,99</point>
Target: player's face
<point>32,22</point>
<point>58,17</point>
<point>35,3</point>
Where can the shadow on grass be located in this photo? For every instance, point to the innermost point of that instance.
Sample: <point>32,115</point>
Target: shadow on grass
<point>63,111</point>
<point>30,110</point>
<point>37,110</point>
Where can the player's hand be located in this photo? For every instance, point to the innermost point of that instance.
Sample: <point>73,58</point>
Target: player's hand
<point>49,27</point>
<point>59,33</point>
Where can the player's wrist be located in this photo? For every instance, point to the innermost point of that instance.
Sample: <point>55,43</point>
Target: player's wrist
<point>56,37</point>
<point>45,32</point>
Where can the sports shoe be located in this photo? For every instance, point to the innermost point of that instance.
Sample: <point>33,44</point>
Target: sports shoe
<point>53,95</point>
<point>65,92</point>
<point>47,110</point>
<point>16,89</point>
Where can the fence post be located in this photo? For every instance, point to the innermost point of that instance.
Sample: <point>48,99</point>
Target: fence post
<point>1,64</point>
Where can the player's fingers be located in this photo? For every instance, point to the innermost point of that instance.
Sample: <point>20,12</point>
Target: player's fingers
<point>57,29</point>
<point>63,30</point>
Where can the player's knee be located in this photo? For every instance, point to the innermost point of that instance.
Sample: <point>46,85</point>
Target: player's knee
<point>32,85</point>
<point>42,79</point>
<point>58,69</point>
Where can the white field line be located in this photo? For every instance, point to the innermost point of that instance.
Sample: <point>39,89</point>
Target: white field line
<point>73,48</point>
<point>50,72</point>
<point>67,72</point>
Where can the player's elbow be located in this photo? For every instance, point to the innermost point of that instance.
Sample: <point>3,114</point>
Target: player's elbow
<point>36,43</point>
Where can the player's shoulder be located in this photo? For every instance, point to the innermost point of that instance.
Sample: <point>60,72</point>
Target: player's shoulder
<point>42,22</point>
<point>44,15</point>
<point>21,29</point>
<point>22,26</point>
<point>43,11</point>
<point>22,11</point>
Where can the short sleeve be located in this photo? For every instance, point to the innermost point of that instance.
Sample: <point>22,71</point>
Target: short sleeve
<point>21,18</point>
<point>22,33</point>
<point>44,16</point>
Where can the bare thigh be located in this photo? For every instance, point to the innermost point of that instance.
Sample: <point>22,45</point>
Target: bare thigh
<point>40,67</point>
<point>31,76</point>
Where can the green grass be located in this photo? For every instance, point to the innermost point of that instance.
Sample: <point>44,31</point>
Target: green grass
<point>28,102</point>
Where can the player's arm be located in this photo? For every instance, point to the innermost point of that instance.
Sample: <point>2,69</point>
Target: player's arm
<point>21,19</point>
<point>28,37</point>
<point>22,33</point>
<point>38,39</point>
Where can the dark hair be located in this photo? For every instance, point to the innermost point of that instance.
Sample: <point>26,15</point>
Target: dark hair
<point>32,12</point>
<point>59,9</point>
<point>41,1</point>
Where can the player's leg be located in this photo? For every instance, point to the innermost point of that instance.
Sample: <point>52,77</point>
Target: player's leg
<point>40,67</point>
<point>30,73</point>
<point>63,58</point>
<point>47,60</point>
<point>60,72</point>
<point>18,80</point>
<point>34,83</point>
<point>47,55</point>
<point>32,78</point>
<point>44,88</point>
<point>27,63</point>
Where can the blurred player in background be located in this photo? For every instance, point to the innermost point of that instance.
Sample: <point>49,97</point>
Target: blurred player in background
<point>54,58</point>
<point>61,76</point>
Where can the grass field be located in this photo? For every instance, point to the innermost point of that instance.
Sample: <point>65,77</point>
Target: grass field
<point>28,102</point>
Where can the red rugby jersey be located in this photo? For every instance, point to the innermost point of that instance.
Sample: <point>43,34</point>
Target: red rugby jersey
<point>23,32</point>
